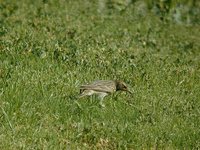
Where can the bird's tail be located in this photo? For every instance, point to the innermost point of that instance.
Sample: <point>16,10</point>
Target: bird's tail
<point>84,93</point>
<point>81,95</point>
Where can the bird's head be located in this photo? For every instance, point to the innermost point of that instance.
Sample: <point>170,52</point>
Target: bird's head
<point>121,86</point>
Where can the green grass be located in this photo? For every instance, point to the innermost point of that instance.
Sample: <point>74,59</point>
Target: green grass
<point>47,50</point>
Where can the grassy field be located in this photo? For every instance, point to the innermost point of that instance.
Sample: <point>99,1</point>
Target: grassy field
<point>48,49</point>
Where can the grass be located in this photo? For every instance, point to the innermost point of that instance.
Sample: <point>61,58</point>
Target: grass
<point>47,50</point>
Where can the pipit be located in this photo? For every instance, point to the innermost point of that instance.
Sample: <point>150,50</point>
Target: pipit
<point>102,88</point>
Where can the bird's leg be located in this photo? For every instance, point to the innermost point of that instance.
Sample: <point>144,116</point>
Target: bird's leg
<point>101,103</point>
<point>101,96</point>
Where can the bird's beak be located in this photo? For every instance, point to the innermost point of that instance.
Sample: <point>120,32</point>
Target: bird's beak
<point>129,91</point>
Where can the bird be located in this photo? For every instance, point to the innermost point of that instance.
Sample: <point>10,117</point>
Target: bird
<point>102,88</point>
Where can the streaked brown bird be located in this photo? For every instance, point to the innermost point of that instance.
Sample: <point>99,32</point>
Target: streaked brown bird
<point>102,88</point>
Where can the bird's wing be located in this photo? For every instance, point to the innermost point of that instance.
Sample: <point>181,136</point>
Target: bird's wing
<point>101,86</point>
<point>97,88</point>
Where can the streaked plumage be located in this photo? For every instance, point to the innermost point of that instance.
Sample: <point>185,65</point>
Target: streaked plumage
<point>102,88</point>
